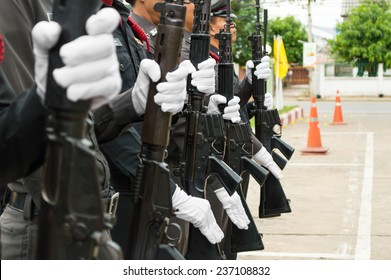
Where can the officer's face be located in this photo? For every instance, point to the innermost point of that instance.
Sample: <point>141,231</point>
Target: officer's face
<point>149,7</point>
<point>189,15</point>
<point>218,23</point>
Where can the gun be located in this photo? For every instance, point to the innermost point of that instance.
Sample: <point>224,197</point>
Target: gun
<point>273,201</point>
<point>239,151</point>
<point>153,204</point>
<point>72,219</point>
<point>204,137</point>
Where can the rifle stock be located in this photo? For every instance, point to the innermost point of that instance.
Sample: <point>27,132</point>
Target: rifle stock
<point>240,154</point>
<point>239,144</point>
<point>72,219</point>
<point>273,201</point>
<point>246,240</point>
<point>153,206</point>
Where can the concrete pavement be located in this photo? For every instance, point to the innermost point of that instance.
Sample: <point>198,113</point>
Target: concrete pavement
<point>340,201</point>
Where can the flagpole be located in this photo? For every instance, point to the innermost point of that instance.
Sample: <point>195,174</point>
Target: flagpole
<point>281,95</point>
<point>277,64</point>
<point>281,102</point>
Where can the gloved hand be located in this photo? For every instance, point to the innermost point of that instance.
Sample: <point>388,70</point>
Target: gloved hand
<point>149,70</point>
<point>268,101</point>
<point>234,208</point>
<point>198,212</point>
<point>204,77</point>
<point>91,68</point>
<point>170,94</point>
<point>231,112</point>
<point>262,71</point>
<point>263,157</point>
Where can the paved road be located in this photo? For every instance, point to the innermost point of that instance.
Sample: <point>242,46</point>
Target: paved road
<point>341,201</point>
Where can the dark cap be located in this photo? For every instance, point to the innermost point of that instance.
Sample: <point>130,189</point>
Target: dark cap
<point>219,9</point>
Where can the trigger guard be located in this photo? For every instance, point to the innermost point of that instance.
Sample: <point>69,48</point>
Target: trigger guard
<point>173,240</point>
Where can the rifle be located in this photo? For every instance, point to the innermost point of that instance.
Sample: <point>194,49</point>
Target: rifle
<point>72,219</point>
<point>204,137</point>
<point>153,203</point>
<point>239,148</point>
<point>273,201</point>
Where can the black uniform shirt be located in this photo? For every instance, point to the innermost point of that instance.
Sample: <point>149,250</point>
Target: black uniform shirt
<point>17,18</point>
<point>150,30</point>
<point>22,123</point>
<point>111,119</point>
<point>130,49</point>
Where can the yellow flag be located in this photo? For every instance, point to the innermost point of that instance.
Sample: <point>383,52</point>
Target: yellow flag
<point>281,64</point>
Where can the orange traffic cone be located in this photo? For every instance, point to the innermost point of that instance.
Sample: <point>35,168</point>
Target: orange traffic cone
<point>314,143</point>
<point>338,119</point>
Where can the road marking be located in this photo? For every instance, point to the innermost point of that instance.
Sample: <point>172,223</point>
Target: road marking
<point>297,255</point>
<point>363,245</point>
<point>345,133</point>
<point>348,220</point>
<point>326,164</point>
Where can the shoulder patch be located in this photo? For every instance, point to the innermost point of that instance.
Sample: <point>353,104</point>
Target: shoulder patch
<point>153,32</point>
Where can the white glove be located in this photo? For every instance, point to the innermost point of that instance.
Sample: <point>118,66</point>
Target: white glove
<point>263,157</point>
<point>198,212</point>
<point>204,77</point>
<point>149,70</point>
<point>268,103</point>
<point>262,71</point>
<point>91,68</point>
<point>170,95</point>
<point>231,112</point>
<point>234,208</point>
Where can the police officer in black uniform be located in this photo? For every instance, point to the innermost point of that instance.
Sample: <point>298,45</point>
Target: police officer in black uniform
<point>123,165</point>
<point>122,151</point>
<point>22,155</point>
<point>19,221</point>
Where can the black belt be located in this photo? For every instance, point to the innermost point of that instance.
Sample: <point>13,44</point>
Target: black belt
<point>121,182</point>
<point>23,202</point>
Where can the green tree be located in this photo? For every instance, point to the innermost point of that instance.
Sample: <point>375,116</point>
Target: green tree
<point>245,24</point>
<point>291,30</point>
<point>293,33</point>
<point>365,36</point>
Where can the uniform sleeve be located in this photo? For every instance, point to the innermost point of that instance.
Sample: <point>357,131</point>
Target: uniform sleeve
<point>257,145</point>
<point>111,118</point>
<point>17,18</point>
<point>22,132</point>
<point>243,89</point>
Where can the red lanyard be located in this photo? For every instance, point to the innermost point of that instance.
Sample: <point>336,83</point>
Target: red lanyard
<point>2,51</point>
